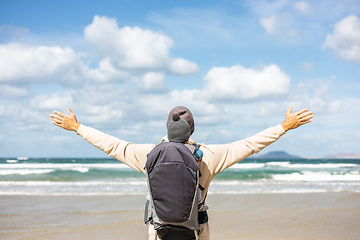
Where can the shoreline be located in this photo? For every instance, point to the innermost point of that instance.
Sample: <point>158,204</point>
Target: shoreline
<point>244,216</point>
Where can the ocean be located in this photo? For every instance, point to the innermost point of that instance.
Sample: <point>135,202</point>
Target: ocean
<point>107,176</point>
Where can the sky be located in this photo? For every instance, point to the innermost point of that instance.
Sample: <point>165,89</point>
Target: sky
<point>121,66</point>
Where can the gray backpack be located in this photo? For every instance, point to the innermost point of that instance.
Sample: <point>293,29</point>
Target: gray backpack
<point>173,180</point>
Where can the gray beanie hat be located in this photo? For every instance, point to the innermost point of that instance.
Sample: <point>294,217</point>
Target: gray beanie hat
<point>178,129</point>
<point>184,114</point>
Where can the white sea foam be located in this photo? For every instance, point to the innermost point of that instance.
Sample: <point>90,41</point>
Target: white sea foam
<point>25,171</point>
<point>267,191</point>
<point>65,166</point>
<point>247,165</point>
<point>32,193</point>
<point>136,182</point>
<point>322,165</point>
<point>12,161</point>
<point>92,188</point>
<point>287,177</point>
<point>226,183</point>
<point>30,171</point>
<point>144,192</point>
<point>294,165</point>
<point>80,169</point>
<point>71,166</point>
<point>317,176</point>
<point>139,187</point>
<point>281,164</point>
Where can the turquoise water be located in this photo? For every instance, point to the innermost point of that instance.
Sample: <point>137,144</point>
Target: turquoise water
<point>84,176</point>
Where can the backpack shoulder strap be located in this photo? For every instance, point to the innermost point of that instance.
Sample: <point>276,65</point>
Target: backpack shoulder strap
<point>192,147</point>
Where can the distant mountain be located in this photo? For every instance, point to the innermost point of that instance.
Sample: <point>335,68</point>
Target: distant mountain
<point>276,154</point>
<point>344,155</point>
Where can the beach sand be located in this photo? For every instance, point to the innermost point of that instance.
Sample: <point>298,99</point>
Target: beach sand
<point>249,216</point>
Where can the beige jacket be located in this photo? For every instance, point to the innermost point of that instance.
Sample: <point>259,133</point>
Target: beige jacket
<point>217,157</point>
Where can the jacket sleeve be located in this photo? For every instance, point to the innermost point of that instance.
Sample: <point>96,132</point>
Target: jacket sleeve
<point>220,157</point>
<point>133,155</point>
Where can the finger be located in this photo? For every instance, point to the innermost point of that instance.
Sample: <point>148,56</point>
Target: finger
<point>56,124</point>
<point>55,117</point>
<point>70,112</point>
<point>302,111</point>
<point>56,120</point>
<point>290,109</point>
<point>306,118</point>
<point>307,114</point>
<point>302,123</point>
<point>59,113</point>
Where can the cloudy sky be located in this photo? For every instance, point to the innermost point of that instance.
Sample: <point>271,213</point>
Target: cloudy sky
<point>121,66</point>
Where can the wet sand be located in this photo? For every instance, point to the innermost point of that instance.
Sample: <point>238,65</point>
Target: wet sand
<point>252,216</point>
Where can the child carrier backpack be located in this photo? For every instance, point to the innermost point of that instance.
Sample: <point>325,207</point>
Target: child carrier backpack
<point>173,180</point>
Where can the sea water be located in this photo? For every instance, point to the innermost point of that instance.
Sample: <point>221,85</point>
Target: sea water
<point>106,176</point>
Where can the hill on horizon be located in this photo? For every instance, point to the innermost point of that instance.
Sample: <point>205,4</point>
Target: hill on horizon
<point>276,154</point>
<point>343,155</point>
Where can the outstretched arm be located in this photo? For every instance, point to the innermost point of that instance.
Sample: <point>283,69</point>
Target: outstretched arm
<point>69,123</point>
<point>221,156</point>
<point>133,155</point>
<point>295,120</point>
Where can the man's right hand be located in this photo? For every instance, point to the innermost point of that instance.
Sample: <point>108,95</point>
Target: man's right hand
<point>295,120</point>
<point>69,123</point>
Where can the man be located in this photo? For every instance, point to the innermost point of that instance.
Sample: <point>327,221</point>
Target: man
<point>216,158</point>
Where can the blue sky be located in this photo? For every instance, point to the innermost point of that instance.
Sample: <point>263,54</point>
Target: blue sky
<point>121,66</point>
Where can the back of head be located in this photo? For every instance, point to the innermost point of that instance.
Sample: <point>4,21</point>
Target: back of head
<point>184,113</point>
<point>178,129</point>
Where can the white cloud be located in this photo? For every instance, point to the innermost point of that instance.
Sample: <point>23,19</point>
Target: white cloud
<point>321,105</point>
<point>263,7</point>
<point>239,83</point>
<point>105,73</point>
<point>52,102</point>
<point>121,110</point>
<point>315,96</point>
<point>151,81</point>
<point>182,66</point>
<point>282,26</point>
<point>269,24</point>
<point>20,116</point>
<point>307,66</point>
<point>135,48</point>
<point>311,95</point>
<point>126,53</point>
<point>345,40</point>
<point>294,33</point>
<point>271,109</point>
<point>5,111</point>
<point>21,63</point>
<point>13,92</point>
<point>321,89</point>
<point>162,104</point>
<point>302,7</point>
<point>105,115</point>
<point>14,32</point>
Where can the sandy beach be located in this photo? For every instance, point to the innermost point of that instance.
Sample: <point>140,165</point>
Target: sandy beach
<point>244,216</point>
